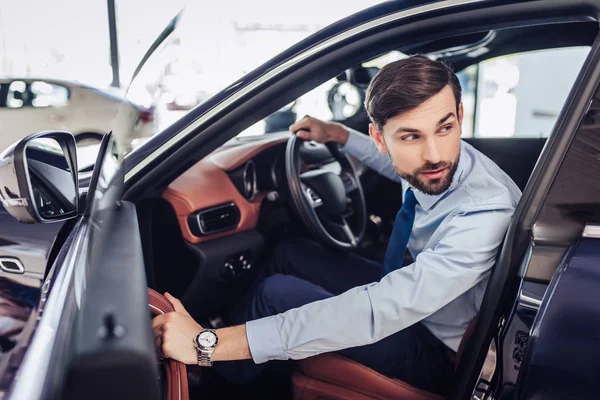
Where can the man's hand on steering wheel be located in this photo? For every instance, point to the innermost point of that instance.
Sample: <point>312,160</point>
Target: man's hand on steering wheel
<point>309,128</point>
<point>330,203</point>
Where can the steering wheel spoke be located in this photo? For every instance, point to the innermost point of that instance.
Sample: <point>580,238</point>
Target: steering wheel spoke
<point>342,227</point>
<point>348,232</point>
<point>349,181</point>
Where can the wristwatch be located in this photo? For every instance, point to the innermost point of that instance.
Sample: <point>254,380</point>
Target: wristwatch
<point>205,343</point>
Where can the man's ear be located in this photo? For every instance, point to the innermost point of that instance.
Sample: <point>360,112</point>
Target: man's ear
<point>377,137</point>
<point>460,113</point>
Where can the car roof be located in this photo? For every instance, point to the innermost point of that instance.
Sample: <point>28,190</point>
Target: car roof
<point>473,48</point>
<point>64,82</point>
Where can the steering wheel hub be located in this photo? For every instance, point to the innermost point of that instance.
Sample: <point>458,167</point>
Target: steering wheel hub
<point>330,188</point>
<point>322,198</point>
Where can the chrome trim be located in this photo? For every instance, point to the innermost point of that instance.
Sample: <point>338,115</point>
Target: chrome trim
<point>85,175</point>
<point>459,50</point>
<point>290,64</point>
<point>317,201</point>
<point>216,208</point>
<point>274,174</point>
<point>349,232</point>
<point>20,202</point>
<point>526,259</point>
<point>591,231</point>
<point>527,301</point>
<point>31,376</point>
<point>21,268</point>
<point>156,308</point>
<point>253,188</point>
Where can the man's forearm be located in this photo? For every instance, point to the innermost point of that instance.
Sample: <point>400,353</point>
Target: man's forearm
<point>233,344</point>
<point>337,133</point>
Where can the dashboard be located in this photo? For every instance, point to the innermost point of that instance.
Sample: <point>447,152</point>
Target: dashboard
<point>222,194</point>
<point>217,204</point>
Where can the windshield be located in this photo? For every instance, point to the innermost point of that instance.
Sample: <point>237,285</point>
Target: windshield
<point>209,51</point>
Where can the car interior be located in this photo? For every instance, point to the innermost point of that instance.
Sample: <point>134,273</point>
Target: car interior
<point>207,231</point>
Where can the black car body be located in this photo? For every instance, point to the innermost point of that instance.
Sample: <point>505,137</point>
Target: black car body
<point>88,315</point>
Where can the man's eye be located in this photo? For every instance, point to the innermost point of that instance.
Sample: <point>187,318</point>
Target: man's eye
<point>446,129</point>
<point>409,138</point>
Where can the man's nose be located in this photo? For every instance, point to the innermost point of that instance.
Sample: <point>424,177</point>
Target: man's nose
<point>431,152</point>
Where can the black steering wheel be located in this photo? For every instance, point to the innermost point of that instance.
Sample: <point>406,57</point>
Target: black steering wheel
<point>331,205</point>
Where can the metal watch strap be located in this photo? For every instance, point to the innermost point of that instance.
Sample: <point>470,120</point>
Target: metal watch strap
<point>204,358</point>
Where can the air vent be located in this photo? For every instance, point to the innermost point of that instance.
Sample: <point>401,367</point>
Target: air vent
<point>11,265</point>
<point>215,219</point>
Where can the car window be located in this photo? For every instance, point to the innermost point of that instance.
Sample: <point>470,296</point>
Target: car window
<point>334,100</point>
<point>17,95</point>
<point>36,94</point>
<point>508,96</point>
<point>314,103</point>
<point>518,95</point>
<point>48,95</point>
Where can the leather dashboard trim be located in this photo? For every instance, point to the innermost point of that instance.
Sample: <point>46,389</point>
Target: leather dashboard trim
<point>234,157</point>
<point>206,184</point>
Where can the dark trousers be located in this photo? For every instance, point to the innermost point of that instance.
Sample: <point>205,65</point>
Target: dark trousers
<point>300,272</point>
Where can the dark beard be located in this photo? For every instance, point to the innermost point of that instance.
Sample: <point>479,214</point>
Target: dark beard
<point>434,186</point>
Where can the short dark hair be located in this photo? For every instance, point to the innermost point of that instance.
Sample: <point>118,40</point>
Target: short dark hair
<point>405,84</point>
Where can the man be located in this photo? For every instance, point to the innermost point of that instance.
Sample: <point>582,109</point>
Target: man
<point>403,321</point>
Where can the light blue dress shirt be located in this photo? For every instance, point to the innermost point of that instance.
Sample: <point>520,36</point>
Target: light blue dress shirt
<point>454,242</point>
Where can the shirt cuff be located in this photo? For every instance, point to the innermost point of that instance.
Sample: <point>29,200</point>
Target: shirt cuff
<point>264,340</point>
<point>356,143</point>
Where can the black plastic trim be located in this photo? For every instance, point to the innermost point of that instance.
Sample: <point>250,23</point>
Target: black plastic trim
<point>121,365</point>
<point>197,227</point>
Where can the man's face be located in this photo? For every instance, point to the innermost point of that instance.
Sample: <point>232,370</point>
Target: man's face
<point>424,143</point>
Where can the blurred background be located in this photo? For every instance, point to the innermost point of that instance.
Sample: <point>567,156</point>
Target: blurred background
<point>68,64</point>
<point>71,40</point>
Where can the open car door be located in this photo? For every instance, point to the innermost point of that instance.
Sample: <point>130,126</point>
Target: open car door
<point>114,337</point>
<point>91,334</point>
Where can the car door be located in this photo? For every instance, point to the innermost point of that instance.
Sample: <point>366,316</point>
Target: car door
<point>92,318</point>
<point>114,304</point>
<point>90,336</point>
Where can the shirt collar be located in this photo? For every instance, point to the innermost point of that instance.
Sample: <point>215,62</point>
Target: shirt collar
<point>427,201</point>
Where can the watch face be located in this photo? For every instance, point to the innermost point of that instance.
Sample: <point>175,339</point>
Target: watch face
<point>207,339</point>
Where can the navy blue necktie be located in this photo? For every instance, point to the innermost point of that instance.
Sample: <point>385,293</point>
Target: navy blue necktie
<point>394,255</point>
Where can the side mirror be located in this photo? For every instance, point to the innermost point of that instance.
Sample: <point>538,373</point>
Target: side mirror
<point>38,178</point>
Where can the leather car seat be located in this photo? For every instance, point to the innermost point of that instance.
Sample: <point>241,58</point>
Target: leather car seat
<point>176,372</point>
<point>333,377</point>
